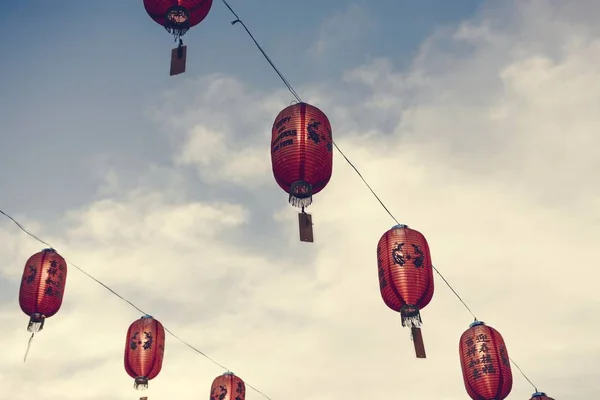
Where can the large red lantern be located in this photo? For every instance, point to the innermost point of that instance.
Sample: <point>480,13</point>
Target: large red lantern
<point>42,287</point>
<point>228,387</point>
<point>485,363</point>
<point>302,157</point>
<point>177,17</point>
<point>540,396</point>
<point>406,277</point>
<point>144,350</point>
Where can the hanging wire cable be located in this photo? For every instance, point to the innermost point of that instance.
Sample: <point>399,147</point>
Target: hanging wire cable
<point>20,226</point>
<point>295,94</point>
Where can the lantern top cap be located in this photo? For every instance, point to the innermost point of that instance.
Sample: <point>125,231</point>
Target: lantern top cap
<point>476,323</point>
<point>399,226</point>
<point>538,394</point>
<point>49,250</point>
<point>147,316</point>
<point>228,373</point>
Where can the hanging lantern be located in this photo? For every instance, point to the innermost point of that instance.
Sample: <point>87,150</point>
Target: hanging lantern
<point>228,387</point>
<point>177,17</point>
<point>144,350</point>
<point>540,396</point>
<point>485,363</point>
<point>406,277</point>
<point>42,287</point>
<point>302,157</point>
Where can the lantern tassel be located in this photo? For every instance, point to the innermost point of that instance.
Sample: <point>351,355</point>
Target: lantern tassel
<point>300,202</point>
<point>410,317</point>
<point>28,346</point>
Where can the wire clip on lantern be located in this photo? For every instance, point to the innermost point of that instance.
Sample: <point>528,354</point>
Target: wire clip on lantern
<point>42,289</point>
<point>177,17</point>
<point>485,363</point>
<point>302,157</point>
<point>144,350</point>
<point>540,396</point>
<point>406,277</point>
<point>228,387</point>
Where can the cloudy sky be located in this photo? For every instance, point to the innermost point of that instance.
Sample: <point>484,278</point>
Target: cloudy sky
<point>475,121</point>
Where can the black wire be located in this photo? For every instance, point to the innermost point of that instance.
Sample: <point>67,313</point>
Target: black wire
<point>129,302</point>
<point>294,93</point>
<point>285,81</point>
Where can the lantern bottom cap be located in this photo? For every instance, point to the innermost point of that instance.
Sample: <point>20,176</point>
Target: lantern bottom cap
<point>36,322</point>
<point>411,316</point>
<point>140,383</point>
<point>300,194</point>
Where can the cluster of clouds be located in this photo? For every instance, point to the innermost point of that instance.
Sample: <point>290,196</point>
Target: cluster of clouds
<point>487,144</point>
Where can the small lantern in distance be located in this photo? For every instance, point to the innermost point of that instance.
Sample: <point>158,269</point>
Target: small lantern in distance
<point>302,157</point>
<point>42,289</point>
<point>228,387</point>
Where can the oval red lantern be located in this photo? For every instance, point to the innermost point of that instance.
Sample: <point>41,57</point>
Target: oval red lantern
<point>540,396</point>
<point>302,152</point>
<point>406,277</point>
<point>228,387</point>
<point>485,363</point>
<point>178,16</point>
<point>42,287</point>
<point>144,350</point>
<point>302,157</point>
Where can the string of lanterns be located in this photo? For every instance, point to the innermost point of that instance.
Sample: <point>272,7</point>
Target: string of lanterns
<point>302,160</point>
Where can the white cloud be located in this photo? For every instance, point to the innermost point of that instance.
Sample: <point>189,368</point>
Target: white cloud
<point>490,153</point>
<point>341,31</point>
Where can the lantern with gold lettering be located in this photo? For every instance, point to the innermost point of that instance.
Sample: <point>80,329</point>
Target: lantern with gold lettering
<point>302,157</point>
<point>42,287</point>
<point>485,363</point>
<point>228,387</point>
<point>540,396</point>
<point>177,17</point>
<point>144,350</point>
<point>406,277</point>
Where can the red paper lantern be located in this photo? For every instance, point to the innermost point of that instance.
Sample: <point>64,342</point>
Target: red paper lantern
<point>540,396</point>
<point>178,16</point>
<point>42,287</point>
<point>406,277</point>
<point>485,363</point>
<point>302,152</point>
<point>144,350</point>
<point>228,387</point>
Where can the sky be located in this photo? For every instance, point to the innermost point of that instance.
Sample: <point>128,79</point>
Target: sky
<point>476,122</point>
